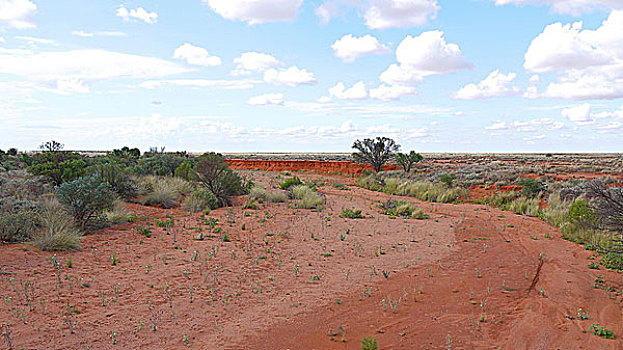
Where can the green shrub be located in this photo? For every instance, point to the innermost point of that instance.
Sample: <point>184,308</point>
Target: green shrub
<point>185,171</point>
<point>57,167</point>
<point>447,179</point>
<point>290,182</point>
<point>57,232</point>
<point>119,179</point>
<point>369,343</point>
<point>199,201</point>
<point>159,164</point>
<point>212,171</point>
<point>352,214</point>
<point>530,187</point>
<point>19,226</point>
<point>306,198</point>
<point>86,198</point>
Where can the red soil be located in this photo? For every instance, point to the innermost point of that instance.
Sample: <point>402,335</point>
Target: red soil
<point>478,192</point>
<point>467,278</point>
<point>342,167</point>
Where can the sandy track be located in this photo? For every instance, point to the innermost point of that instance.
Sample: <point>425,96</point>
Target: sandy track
<point>276,285</point>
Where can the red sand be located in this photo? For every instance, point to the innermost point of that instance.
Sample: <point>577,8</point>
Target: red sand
<point>466,279</point>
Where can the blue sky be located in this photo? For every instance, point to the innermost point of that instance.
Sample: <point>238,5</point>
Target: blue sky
<point>299,75</point>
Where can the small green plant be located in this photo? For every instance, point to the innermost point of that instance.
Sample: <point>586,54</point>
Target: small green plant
<point>70,262</point>
<point>596,329</point>
<point>369,343</point>
<point>290,182</point>
<point>583,315</point>
<point>352,214</point>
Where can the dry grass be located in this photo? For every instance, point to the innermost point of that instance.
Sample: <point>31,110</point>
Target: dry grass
<point>58,232</point>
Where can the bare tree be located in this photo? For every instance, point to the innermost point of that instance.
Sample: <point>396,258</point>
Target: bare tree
<point>608,204</point>
<point>51,146</point>
<point>375,152</point>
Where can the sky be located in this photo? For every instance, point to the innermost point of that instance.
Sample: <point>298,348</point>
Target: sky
<point>313,75</point>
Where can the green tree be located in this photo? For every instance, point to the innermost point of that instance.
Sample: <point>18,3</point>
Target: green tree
<point>375,152</point>
<point>212,171</point>
<point>406,160</point>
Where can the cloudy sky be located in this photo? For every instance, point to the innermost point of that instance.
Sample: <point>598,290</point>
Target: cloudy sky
<point>313,75</point>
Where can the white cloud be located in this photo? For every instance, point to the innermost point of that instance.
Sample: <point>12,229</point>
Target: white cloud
<point>84,34</point>
<point>74,70</point>
<point>267,99</point>
<point>202,83</point>
<point>250,62</point>
<point>526,126</point>
<point>2,40</point>
<point>292,76</point>
<point>572,7</point>
<point>196,55</point>
<point>580,114</point>
<point>382,14</point>
<point>149,127</point>
<point>421,56</point>
<point>18,13</point>
<point>589,62</point>
<point>137,14</point>
<point>497,125</point>
<point>349,48</point>
<point>33,40</point>
<point>357,92</point>
<point>534,80</point>
<point>391,93</point>
<point>256,11</point>
<point>532,92</point>
<point>495,84</point>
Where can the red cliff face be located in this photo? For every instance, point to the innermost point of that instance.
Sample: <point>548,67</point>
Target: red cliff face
<point>342,167</point>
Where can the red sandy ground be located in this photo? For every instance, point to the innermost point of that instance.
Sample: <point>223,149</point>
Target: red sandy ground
<point>466,279</point>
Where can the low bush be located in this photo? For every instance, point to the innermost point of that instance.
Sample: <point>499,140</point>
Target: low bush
<point>352,214</point>
<point>86,198</point>
<point>18,226</point>
<point>290,182</point>
<point>524,206</point>
<point>57,232</point>
<point>212,171</point>
<point>119,179</point>
<point>306,198</point>
<point>162,192</point>
<point>117,215</point>
<point>369,343</point>
<point>199,201</point>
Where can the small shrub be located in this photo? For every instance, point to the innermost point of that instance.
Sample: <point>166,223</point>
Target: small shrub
<point>290,182</point>
<point>17,227</point>
<point>118,215</point>
<point>212,171</point>
<point>57,232</point>
<point>250,204</point>
<point>306,198</point>
<point>530,187</point>
<point>278,197</point>
<point>86,198</point>
<point>199,201</point>
<point>352,214</point>
<point>369,343</point>
<point>447,179</point>
<point>259,194</point>
<point>166,191</point>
